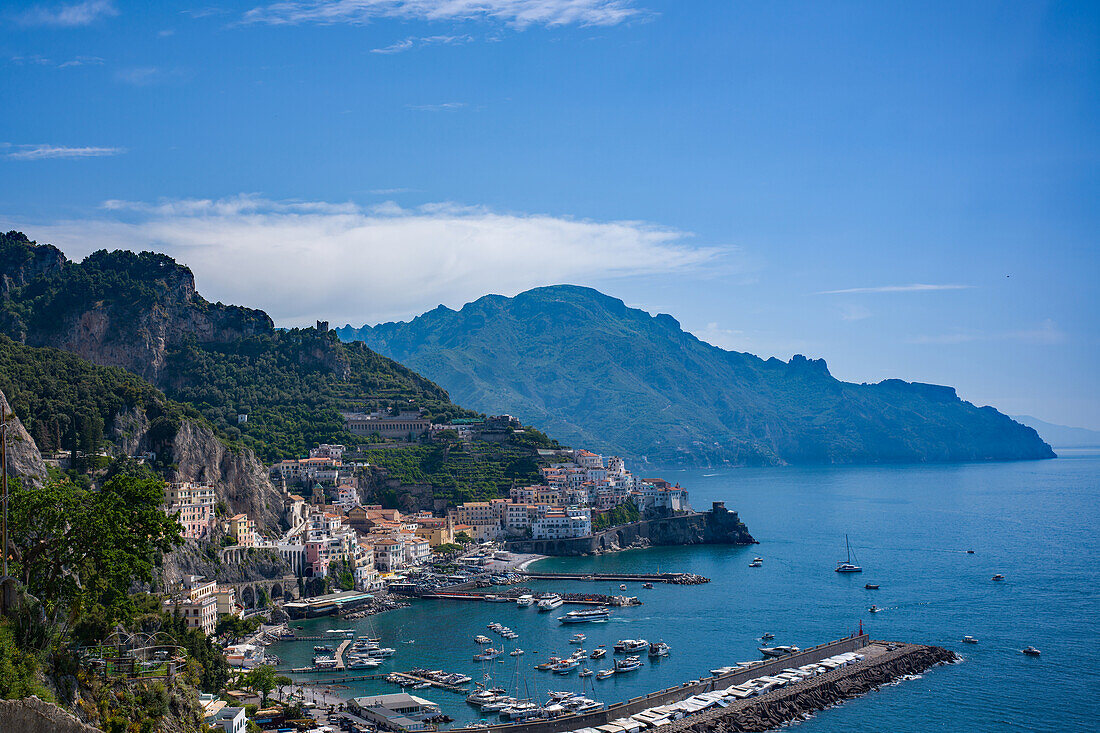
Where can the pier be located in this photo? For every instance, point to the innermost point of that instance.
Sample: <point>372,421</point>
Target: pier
<point>441,685</point>
<point>340,653</point>
<point>672,578</point>
<point>581,599</point>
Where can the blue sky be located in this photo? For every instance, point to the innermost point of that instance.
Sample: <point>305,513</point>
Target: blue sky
<point>907,190</point>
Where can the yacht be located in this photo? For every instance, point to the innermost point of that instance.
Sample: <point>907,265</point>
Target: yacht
<point>847,566</point>
<point>324,663</point>
<point>630,645</point>
<point>659,649</point>
<point>543,666</point>
<point>998,577</point>
<point>577,639</point>
<point>598,653</point>
<point>778,651</point>
<point>550,603</point>
<point>603,674</point>
<point>383,652</point>
<point>481,639</point>
<point>363,663</point>
<point>565,666</point>
<point>969,639</point>
<point>1031,651</point>
<point>588,614</point>
<point>517,652</point>
<point>627,665</point>
<point>488,654</point>
<point>322,648</point>
<point>525,601</point>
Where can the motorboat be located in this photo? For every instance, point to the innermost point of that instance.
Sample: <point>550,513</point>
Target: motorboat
<point>659,649</point>
<point>488,654</point>
<point>598,653</point>
<point>778,651</point>
<point>871,586</point>
<point>324,663</point>
<point>550,603</point>
<point>481,639</point>
<point>1031,651</point>
<point>630,645</point>
<point>565,666</point>
<point>588,614</point>
<point>525,600</point>
<point>603,674</point>
<point>577,639</point>
<point>767,635</point>
<point>969,552</point>
<point>622,586</point>
<point>756,563</point>
<point>627,665</point>
<point>322,648</point>
<point>647,586</point>
<point>363,663</point>
<point>383,652</point>
<point>998,577</point>
<point>848,566</point>
<point>969,640</point>
<point>585,672</point>
<point>516,653</point>
<point>873,609</point>
<point>543,666</point>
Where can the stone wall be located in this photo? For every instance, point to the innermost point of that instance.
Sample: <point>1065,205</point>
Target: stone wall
<point>718,526</point>
<point>32,715</point>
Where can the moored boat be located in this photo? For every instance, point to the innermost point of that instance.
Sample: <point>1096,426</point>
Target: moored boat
<point>659,649</point>
<point>847,566</point>
<point>627,665</point>
<point>778,651</point>
<point>604,674</point>
<point>630,645</point>
<point>549,603</point>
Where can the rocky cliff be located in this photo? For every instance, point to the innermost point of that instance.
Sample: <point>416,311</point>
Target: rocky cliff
<point>24,460</point>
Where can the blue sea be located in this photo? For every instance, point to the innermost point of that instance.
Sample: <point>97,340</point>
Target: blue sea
<point>909,526</point>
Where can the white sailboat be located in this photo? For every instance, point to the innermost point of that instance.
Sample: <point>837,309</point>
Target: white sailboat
<point>847,566</point>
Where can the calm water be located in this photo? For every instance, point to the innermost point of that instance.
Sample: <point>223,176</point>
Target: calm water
<point>910,527</point>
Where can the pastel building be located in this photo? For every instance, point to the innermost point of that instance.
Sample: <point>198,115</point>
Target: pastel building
<point>193,506</point>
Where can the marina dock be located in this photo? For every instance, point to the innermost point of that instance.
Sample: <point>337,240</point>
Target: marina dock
<point>671,578</point>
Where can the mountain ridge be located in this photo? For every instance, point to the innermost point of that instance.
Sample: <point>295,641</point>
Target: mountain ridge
<point>593,371</point>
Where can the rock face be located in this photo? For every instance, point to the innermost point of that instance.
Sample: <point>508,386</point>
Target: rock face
<point>24,460</point>
<point>32,715</point>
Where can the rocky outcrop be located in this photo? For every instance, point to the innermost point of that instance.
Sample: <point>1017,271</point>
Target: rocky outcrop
<point>24,460</point>
<point>719,526</point>
<point>786,705</point>
<point>239,478</point>
<point>32,715</point>
<point>195,558</point>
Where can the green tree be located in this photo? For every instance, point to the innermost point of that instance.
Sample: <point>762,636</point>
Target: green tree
<point>263,680</point>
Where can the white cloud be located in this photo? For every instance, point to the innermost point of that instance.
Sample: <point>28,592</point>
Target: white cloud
<point>420,41</point>
<point>444,107</point>
<point>303,260</point>
<point>518,13</point>
<point>43,61</point>
<point>69,15</point>
<point>913,288</point>
<point>42,152</point>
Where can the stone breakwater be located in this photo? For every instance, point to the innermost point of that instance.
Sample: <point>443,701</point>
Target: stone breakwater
<point>788,704</point>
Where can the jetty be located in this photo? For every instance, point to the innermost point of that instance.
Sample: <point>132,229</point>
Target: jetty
<point>582,599</point>
<point>882,663</point>
<point>671,578</point>
<point>416,679</point>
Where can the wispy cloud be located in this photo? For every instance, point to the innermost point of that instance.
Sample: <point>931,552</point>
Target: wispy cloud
<point>349,263</point>
<point>43,61</point>
<point>444,107</point>
<point>517,13</point>
<point>43,152</point>
<point>146,76</point>
<point>1046,333</point>
<point>68,15</point>
<point>412,42</point>
<point>913,288</point>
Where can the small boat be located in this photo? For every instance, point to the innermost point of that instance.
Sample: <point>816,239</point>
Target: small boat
<point>622,586</point>
<point>516,653</point>
<point>565,666</point>
<point>1031,651</point>
<point>873,609</point>
<point>647,585</point>
<point>488,654</point>
<point>998,577</point>
<point>479,639</point>
<point>603,674</point>
<point>585,672</point>
<point>969,640</point>
<point>847,566</point>
<point>756,563</point>
<point>659,649</point>
<point>969,552</point>
<point>598,653</point>
<point>627,665</point>
<point>767,635</point>
<point>778,651</point>
<point>577,639</point>
<point>543,666</point>
<point>322,648</point>
<point>422,686</point>
<point>589,614</point>
<point>871,586</point>
<point>630,645</point>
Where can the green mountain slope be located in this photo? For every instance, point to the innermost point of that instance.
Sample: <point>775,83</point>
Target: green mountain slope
<point>596,373</point>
